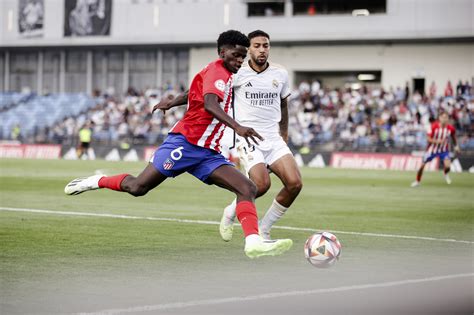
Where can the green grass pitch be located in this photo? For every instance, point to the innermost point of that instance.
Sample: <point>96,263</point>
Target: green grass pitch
<point>58,255</point>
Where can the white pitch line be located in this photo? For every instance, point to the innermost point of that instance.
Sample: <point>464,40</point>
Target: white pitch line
<point>178,305</point>
<point>130,217</point>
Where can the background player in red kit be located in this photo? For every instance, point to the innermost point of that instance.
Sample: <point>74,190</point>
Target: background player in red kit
<point>193,146</point>
<point>438,146</point>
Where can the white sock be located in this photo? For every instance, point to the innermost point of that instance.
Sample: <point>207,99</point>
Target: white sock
<point>229,212</point>
<point>252,239</point>
<point>274,213</point>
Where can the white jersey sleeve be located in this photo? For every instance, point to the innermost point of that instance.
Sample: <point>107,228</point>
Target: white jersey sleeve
<point>285,91</point>
<point>237,80</point>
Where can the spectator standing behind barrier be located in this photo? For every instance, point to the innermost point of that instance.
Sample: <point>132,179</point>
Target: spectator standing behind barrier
<point>16,133</point>
<point>85,137</point>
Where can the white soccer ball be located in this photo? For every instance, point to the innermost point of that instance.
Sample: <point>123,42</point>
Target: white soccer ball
<point>322,249</point>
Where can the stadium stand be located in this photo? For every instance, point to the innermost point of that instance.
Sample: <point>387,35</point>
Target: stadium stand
<point>11,99</point>
<point>37,113</point>
<point>332,119</point>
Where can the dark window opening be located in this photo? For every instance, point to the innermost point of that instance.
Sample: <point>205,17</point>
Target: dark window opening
<point>324,7</point>
<point>266,8</point>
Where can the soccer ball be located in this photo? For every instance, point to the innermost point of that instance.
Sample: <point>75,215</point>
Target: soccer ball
<point>322,249</point>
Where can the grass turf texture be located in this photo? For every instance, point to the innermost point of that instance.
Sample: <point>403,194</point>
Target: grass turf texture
<point>35,248</point>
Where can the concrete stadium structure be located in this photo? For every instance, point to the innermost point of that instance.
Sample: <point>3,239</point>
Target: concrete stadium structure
<point>152,43</point>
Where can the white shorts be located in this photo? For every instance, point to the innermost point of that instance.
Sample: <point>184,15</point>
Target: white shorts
<point>266,152</point>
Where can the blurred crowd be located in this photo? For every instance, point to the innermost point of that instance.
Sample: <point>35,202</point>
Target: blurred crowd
<point>342,119</point>
<point>375,118</point>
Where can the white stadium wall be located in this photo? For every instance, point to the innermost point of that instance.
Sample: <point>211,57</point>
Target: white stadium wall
<point>135,22</point>
<point>415,38</point>
<point>398,62</point>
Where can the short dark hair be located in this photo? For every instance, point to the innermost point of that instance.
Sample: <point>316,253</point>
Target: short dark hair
<point>258,33</point>
<point>232,38</point>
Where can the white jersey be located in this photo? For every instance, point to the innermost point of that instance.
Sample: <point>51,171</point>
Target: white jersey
<point>258,98</point>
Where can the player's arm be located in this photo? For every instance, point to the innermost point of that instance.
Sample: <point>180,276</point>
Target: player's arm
<point>211,105</point>
<point>284,119</point>
<point>171,101</point>
<point>432,141</point>
<point>455,143</point>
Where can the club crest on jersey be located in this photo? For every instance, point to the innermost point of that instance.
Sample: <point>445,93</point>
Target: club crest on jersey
<point>275,83</point>
<point>220,85</point>
<point>168,164</point>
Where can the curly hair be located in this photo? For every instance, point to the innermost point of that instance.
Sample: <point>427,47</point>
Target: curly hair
<point>232,38</point>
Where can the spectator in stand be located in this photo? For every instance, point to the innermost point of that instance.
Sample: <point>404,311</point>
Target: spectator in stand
<point>432,92</point>
<point>448,91</point>
<point>340,118</point>
<point>460,89</point>
<point>407,91</point>
<point>467,89</point>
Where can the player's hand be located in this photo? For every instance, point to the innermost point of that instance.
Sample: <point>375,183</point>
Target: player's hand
<point>285,137</point>
<point>248,133</point>
<point>164,104</point>
<point>457,149</point>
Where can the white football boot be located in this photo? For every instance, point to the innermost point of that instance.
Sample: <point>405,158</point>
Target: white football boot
<point>447,179</point>
<point>226,228</point>
<point>415,184</point>
<point>80,185</point>
<point>259,247</point>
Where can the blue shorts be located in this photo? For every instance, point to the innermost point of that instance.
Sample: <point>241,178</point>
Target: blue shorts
<point>442,156</point>
<point>176,156</point>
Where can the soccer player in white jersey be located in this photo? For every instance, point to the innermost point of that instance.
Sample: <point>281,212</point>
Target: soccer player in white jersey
<point>438,147</point>
<point>261,90</point>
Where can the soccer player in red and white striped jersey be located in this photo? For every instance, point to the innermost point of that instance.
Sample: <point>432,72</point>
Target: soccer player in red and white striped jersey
<point>438,146</point>
<point>193,146</point>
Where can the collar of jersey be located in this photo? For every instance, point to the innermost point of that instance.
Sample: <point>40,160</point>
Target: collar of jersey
<point>268,66</point>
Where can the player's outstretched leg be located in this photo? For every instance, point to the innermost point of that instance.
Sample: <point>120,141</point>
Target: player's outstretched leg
<point>419,174</point>
<point>259,175</point>
<point>287,170</point>
<point>229,178</point>
<point>447,169</point>
<point>136,186</point>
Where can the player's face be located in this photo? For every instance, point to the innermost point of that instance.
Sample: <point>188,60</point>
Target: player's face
<point>443,119</point>
<point>234,57</point>
<point>259,50</point>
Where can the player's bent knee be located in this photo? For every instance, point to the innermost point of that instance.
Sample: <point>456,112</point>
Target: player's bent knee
<point>263,187</point>
<point>294,187</point>
<point>249,190</point>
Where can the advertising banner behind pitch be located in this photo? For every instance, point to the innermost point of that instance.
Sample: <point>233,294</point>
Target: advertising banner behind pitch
<point>30,151</point>
<point>380,161</point>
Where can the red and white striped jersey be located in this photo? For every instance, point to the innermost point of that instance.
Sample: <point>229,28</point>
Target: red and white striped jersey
<point>440,133</point>
<point>199,126</point>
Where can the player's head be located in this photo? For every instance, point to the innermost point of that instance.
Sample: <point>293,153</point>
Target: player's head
<point>232,49</point>
<point>259,47</point>
<point>443,118</point>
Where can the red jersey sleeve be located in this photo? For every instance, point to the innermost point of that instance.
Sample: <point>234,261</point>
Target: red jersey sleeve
<point>432,129</point>
<point>214,81</point>
<point>453,130</point>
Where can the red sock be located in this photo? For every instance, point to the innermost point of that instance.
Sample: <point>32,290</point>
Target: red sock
<point>247,215</point>
<point>112,182</point>
<point>418,177</point>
